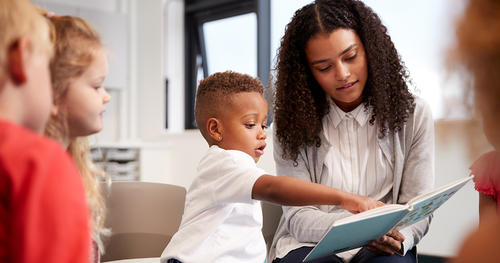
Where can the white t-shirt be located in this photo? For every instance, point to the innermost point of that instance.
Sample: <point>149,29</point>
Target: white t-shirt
<point>221,221</point>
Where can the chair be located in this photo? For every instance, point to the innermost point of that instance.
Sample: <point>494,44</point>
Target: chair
<point>271,214</point>
<point>143,217</point>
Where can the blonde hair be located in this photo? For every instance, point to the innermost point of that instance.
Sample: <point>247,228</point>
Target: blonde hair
<point>76,44</point>
<point>20,18</point>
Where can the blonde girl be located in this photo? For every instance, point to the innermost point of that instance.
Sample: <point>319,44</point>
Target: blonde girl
<point>78,70</point>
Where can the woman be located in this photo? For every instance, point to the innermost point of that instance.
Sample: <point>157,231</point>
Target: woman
<point>344,117</point>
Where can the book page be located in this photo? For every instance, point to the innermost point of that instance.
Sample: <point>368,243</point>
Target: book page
<point>461,181</point>
<point>371,213</point>
<point>424,205</point>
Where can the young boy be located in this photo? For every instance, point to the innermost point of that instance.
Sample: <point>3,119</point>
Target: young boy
<point>222,220</point>
<point>43,214</point>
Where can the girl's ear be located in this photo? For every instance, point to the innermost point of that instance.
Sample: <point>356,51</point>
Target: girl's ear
<point>54,110</point>
<point>215,129</point>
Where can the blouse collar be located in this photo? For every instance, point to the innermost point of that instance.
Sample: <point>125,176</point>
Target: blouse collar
<point>337,115</point>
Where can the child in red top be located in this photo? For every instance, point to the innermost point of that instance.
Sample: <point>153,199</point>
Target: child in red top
<point>486,170</point>
<point>43,214</point>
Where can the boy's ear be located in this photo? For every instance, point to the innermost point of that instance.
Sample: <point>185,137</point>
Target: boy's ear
<point>214,128</point>
<point>17,57</point>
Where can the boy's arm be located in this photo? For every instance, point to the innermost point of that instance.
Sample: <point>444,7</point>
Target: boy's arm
<point>291,191</point>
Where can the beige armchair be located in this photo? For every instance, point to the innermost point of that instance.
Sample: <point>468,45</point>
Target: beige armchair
<point>143,217</point>
<point>271,217</point>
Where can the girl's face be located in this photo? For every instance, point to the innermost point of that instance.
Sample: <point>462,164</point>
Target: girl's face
<point>86,98</point>
<point>338,63</point>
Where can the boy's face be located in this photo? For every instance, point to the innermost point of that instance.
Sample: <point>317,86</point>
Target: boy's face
<point>243,124</point>
<point>38,92</point>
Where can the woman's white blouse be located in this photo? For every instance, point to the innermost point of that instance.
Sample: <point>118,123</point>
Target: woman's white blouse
<point>355,161</point>
<point>353,158</point>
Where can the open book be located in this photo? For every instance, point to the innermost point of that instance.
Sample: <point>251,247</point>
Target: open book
<point>359,229</point>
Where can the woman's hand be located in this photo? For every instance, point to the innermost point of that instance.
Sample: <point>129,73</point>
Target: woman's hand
<point>390,243</point>
<point>358,203</point>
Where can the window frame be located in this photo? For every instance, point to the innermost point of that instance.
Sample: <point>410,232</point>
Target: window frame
<point>198,12</point>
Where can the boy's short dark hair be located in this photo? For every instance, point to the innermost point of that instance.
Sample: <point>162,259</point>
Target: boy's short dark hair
<point>214,93</point>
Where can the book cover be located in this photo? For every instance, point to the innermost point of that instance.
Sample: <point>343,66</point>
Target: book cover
<point>358,230</point>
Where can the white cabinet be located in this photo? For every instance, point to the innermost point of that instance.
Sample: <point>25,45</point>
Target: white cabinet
<point>121,163</point>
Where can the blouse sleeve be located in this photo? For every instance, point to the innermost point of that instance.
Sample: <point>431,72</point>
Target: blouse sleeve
<point>418,171</point>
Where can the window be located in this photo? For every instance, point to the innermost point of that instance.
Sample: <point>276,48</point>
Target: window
<point>231,44</point>
<point>216,34</point>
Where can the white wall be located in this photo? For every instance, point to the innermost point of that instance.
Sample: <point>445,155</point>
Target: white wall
<point>102,5</point>
<point>176,163</point>
<point>174,62</point>
<point>148,90</point>
<point>458,144</point>
<point>157,53</point>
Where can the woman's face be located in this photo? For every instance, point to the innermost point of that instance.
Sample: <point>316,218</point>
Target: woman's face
<point>338,63</point>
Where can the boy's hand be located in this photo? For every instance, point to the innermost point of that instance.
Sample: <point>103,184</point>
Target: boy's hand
<point>358,203</point>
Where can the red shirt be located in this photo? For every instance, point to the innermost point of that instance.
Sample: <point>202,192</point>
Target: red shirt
<point>486,171</point>
<point>43,213</point>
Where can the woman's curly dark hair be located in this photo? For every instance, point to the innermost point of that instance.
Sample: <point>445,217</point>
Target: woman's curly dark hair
<point>301,103</point>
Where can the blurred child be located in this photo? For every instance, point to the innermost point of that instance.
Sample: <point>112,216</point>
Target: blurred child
<point>486,171</point>
<point>482,245</point>
<point>222,220</point>
<point>478,49</point>
<point>78,70</point>
<point>43,214</point>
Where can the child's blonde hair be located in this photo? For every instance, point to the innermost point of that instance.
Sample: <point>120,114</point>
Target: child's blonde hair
<point>20,18</point>
<point>76,43</point>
